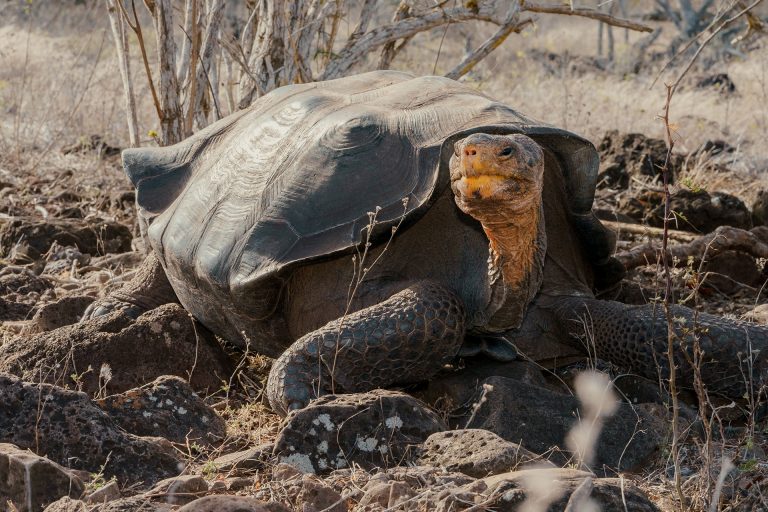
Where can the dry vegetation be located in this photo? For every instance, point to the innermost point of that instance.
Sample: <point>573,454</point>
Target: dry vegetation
<point>59,85</point>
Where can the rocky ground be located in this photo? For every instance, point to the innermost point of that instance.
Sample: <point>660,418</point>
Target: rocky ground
<point>153,414</point>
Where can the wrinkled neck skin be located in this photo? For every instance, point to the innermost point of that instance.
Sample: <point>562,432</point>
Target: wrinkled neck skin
<point>517,244</point>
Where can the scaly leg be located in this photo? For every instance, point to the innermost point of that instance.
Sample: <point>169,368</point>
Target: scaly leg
<point>148,289</point>
<point>405,339</point>
<point>735,354</point>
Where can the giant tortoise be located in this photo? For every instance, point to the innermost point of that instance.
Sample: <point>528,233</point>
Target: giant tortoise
<point>367,230</point>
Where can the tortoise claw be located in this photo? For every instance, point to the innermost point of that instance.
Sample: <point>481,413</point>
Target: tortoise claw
<point>106,306</point>
<point>495,347</point>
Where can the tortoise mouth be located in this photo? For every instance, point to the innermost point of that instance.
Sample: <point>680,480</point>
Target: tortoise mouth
<point>479,187</point>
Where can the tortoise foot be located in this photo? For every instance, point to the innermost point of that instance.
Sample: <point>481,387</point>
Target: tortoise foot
<point>405,339</point>
<point>110,305</point>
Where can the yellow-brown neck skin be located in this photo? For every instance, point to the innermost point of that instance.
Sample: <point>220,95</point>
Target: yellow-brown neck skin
<point>498,180</point>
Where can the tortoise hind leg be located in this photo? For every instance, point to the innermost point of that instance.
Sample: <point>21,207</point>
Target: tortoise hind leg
<point>148,289</point>
<point>735,354</point>
<point>405,339</point>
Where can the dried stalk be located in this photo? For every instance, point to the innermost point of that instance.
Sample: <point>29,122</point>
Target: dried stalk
<point>668,298</point>
<point>585,13</point>
<point>391,49</point>
<point>724,238</point>
<point>470,61</point>
<point>171,127</point>
<point>207,47</point>
<point>117,24</point>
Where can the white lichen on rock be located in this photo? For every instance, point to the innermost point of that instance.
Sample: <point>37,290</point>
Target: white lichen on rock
<point>368,444</point>
<point>323,447</point>
<point>340,462</point>
<point>393,422</point>
<point>300,461</point>
<point>325,420</point>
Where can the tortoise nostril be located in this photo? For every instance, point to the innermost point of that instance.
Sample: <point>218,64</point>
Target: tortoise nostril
<point>470,151</point>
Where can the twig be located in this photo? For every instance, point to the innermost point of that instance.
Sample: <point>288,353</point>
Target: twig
<point>668,298</point>
<point>701,47</point>
<point>640,229</point>
<point>470,61</point>
<point>136,27</point>
<point>586,13</point>
<point>710,37</point>
<point>724,238</point>
<point>391,49</point>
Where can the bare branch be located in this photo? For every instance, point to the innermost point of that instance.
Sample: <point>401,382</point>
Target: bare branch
<point>170,119</point>
<point>390,50</point>
<point>136,27</point>
<point>198,82</point>
<point>366,13</point>
<point>408,27</point>
<point>724,238</point>
<point>117,24</point>
<point>709,38</point>
<point>585,13</point>
<point>190,23</point>
<point>469,62</point>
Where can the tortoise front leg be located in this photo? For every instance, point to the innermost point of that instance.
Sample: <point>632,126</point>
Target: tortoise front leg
<point>149,288</point>
<point>405,339</point>
<point>735,354</point>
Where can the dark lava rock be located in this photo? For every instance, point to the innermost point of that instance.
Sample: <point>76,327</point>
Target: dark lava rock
<point>93,144</point>
<point>456,391</point>
<point>138,503</point>
<point>71,430</point>
<point>474,452</point>
<point>31,482</point>
<point>373,429</point>
<point>624,155</point>
<point>163,341</point>
<point>540,419</point>
<point>419,488</point>
<point>20,291</point>
<point>311,493</point>
<point>61,259</point>
<point>714,147</point>
<point>697,211</point>
<point>167,407</point>
<point>21,281</point>
<point>179,490</point>
<point>224,503</point>
<point>105,493</point>
<point>723,272</point>
<point>610,494</point>
<point>720,82</point>
<point>760,209</point>
<point>11,311</point>
<point>52,315</point>
<point>31,237</point>
<point>252,459</point>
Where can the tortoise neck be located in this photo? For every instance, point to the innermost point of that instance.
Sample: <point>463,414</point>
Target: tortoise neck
<point>512,248</point>
<point>515,261</point>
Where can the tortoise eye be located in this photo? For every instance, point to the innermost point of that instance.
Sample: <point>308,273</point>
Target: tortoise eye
<point>506,151</point>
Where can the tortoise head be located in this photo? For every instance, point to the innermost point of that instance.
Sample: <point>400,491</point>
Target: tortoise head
<point>496,177</point>
<point>499,180</point>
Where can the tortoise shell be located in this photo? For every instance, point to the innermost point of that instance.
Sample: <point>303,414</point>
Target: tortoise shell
<point>295,177</point>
